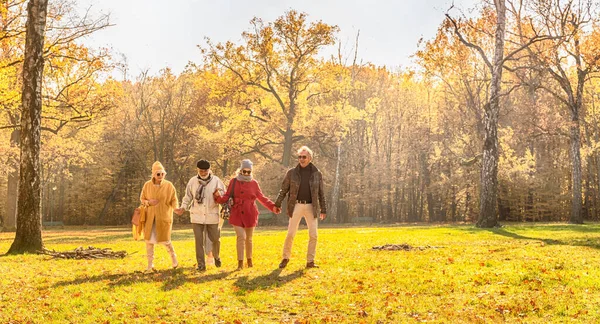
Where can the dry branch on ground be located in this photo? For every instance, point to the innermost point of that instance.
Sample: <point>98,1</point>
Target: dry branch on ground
<point>401,247</point>
<point>89,253</point>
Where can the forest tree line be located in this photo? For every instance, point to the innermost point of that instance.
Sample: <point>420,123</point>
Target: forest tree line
<point>394,144</point>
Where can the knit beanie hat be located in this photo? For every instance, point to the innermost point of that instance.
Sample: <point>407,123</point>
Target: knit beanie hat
<point>157,166</point>
<point>246,164</point>
<point>203,164</point>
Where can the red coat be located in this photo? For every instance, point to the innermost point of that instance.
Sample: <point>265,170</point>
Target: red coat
<point>244,212</point>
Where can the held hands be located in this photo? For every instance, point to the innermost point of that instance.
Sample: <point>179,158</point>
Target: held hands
<point>277,210</point>
<point>216,194</point>
<point>179,211</point>
<point>322,216</point>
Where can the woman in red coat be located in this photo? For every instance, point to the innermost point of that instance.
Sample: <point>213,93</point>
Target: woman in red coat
<point>244,212</point>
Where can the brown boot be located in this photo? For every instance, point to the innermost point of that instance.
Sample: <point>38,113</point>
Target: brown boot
<point>311,264</point>
<point>240,264</point>
<point>249,263</point>
<point>283,263</point>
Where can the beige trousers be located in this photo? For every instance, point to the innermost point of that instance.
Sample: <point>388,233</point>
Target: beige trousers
<point>243,239</point>
<point>306,211</point>
<point>150,253</point>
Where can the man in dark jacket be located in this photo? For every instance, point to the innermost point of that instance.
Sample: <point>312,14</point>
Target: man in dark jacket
<point>304,187</point>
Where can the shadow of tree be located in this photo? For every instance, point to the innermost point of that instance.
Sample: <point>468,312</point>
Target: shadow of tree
<point>593,242</point>
<point>267,281</point>
<point>171,278</point>
<point>80,239</point>
<point>584,228</point>
<point>545,227</point>
<point>98,237</point>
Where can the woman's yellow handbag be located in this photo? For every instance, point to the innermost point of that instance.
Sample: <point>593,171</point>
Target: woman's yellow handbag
<point>137,220</point>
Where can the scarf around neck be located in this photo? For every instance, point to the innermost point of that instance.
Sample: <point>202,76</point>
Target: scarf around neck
<point>200,193</point>
<point>245,178</point>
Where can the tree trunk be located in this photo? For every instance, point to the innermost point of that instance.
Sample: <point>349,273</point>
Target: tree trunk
<point>575,144</point>
<point>335,194</point>
<point>224,170</point>
<point>589,201</point>
<point>489,167</point>
<point>597,184</point>
<point>503,204</point>
<point>431,207</point>
<point>467,212</point>
<point>61,199</point>
<point>29,231</point>
<point>285,161</point>
<point>102,217</point>
<point>596,161</point>
<point>287,146</point>
<point>453,206</point>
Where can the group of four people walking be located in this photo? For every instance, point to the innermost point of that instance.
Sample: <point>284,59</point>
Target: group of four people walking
<point>302,185</point>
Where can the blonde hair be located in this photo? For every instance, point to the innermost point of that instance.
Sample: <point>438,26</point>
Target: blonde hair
<point>305,148</point>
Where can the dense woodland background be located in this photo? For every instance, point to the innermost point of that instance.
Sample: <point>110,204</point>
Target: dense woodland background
<point>394,144</point>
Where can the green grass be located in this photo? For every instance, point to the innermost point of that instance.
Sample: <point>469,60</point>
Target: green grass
<point>520,273</point>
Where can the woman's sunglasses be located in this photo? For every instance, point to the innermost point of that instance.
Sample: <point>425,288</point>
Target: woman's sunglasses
<point>247,172</point>
<point>160,174</point>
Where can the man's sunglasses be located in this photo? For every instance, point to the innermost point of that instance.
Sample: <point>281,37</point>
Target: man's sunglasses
<point>246,172</point>
<point>302,157</point>
<point>160,174</point>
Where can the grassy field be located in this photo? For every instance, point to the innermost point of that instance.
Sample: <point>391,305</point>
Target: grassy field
<point>519,273</point>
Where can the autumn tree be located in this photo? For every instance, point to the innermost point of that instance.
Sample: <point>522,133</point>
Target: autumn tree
<point>29,232</point>
<point>488,196</point>
<point>459,82</point>
<point>70,78</point>
<point>489,165</point>
<point>12,34</point>
<point>573,44</point>
<point>224,106</point>
<point>278,58</point>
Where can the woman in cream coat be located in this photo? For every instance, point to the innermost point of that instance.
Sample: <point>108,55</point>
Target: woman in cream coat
<point>160,199</point>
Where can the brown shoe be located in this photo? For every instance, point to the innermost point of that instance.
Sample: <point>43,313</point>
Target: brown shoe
<point>283,263</point>
<point>249,263</point>
<point>311,265</point>
<point>240,265</point>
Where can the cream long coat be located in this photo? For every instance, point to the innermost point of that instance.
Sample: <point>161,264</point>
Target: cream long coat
<point>208,211</point>
<point>162,212</point>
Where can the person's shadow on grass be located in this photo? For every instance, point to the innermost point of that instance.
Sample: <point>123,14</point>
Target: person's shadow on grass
<point>170,278</point>
<point>269,280</point>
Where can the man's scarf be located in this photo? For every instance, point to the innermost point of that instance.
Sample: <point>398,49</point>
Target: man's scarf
<point>200,193</point>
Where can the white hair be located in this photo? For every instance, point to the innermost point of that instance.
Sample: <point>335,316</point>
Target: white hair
<point>305,148</point>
